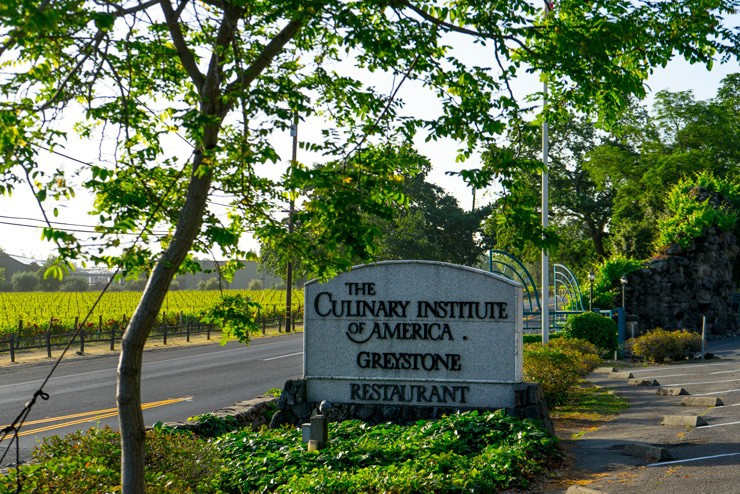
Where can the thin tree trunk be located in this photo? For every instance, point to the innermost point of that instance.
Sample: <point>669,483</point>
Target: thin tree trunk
<point>131,419</point>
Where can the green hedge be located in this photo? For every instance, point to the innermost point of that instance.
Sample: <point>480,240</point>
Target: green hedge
<point>537,337</point>
<point>595,328</point>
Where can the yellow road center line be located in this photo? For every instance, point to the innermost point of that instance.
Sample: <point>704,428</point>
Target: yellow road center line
<point>91,416</point>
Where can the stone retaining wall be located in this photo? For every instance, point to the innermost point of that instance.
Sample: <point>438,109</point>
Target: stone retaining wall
<point>249,413</point>
<point>677,288</point>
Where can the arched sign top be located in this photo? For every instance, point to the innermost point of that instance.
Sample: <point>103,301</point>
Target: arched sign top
<point>442,265</point>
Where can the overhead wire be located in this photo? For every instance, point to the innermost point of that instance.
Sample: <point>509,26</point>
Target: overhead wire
<point>15,427</point>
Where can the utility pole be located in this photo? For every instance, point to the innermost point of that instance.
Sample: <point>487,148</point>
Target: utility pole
<point>291,210</point>
<point>545,313</point>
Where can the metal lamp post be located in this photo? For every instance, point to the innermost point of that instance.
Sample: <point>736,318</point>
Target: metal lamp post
<point>623,279</point>
<point>291,212</point>
<point>545,257</point>
<point>591,278</point>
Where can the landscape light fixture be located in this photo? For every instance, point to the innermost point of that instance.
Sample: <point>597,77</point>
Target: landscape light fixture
<point>591,278</point>
<point>623,279</point>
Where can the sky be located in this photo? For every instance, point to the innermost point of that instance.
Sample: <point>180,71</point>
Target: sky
<point>20,216</point>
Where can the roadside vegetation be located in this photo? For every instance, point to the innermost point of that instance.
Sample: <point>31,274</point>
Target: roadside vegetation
<point>660,345</point>
<point>470,452</point>
<point>466,452</point>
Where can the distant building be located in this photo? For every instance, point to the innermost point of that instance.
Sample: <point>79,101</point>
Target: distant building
<point>14,264</point>
<point>95,276</point>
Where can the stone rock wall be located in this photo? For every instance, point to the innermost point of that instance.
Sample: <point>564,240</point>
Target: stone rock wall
<point>249,413</point>
<point>674,290</point>
<point>294,409</point>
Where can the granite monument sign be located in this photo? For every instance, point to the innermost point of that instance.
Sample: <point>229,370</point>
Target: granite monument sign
<point>414,333</point>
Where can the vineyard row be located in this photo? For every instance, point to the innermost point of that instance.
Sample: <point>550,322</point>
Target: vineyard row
<point>36,313</point>
<point>11,344</point>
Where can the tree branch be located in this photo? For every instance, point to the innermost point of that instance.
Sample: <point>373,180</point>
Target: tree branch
<point>440,23</point>
<point>99,36</point>
<point>211,85</point>
<point>263,60</point>
<point>463,30</point>
<point>120,11</point>
<point>186,56</point>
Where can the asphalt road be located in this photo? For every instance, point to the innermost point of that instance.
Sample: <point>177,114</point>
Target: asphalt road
<point>176,383</point>
<point>704,459</point>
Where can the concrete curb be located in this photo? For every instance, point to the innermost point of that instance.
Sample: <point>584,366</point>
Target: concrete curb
<point>701,401</point>
<point>647,451</point>
<point>671,392</point>
<point>578,489</point>
<point>684,420</point>
<point>621,375</point>
<point>642,382</point>
<point>604,370</point>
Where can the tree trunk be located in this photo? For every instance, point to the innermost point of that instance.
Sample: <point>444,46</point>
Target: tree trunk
<point>131,419</point>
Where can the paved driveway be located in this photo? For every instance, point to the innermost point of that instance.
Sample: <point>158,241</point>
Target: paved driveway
<point>704,459</point>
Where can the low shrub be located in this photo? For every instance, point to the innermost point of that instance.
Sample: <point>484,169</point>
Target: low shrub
<point>465,452</point>
<point>659,345</point>
<point>556,370</point>
<point>585,353</point>
<point>595,328</point>
<point>84,462</point>
<point>559,366</point>
<point>537,337</point>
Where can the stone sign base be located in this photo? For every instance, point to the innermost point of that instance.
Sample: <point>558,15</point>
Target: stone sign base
<point>293,408</point>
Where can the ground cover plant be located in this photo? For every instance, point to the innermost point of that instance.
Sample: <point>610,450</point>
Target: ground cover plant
<point>89,462</point>
<point>466,452</point>
<point>470,452</point>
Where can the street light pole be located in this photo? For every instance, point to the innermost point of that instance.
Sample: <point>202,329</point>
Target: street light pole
<point>545,267</point>
<point>591,278</point>
<point>545,319</point>
<point>291,210</point>
<point>623,280</point>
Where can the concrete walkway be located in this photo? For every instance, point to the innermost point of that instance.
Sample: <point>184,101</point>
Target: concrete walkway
<point>636,453</point>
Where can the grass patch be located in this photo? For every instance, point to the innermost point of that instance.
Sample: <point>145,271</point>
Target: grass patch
<point>590,403</point>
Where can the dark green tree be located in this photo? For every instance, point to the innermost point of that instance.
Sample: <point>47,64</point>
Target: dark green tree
<point>648,153</point>
<point>25,281</point>
<point>580,209</point>
<point>74,283</point>
<point>48,283</point>
<point>431,225</point>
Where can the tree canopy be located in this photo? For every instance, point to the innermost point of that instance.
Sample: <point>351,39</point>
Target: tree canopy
<point>182,98</point>
<point>609,188</point>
